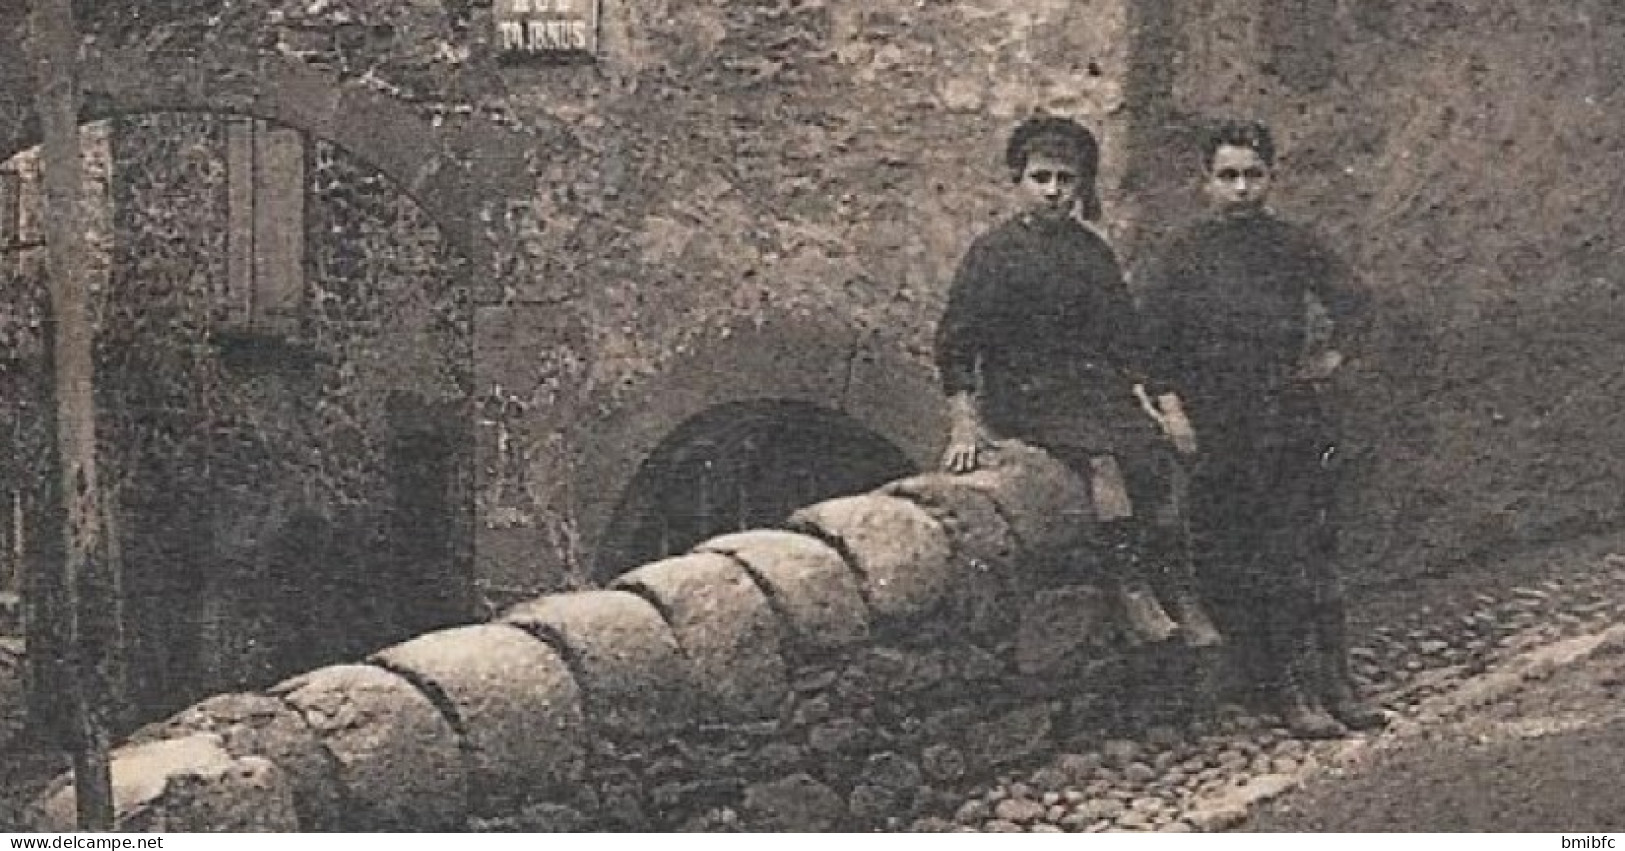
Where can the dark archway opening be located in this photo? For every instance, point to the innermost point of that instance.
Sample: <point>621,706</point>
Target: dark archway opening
<point>741,466</point>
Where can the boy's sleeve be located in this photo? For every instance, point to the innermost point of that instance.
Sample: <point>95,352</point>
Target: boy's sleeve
<point>1343,315</point>
<point>1160,329</point>
<point>962,332</point>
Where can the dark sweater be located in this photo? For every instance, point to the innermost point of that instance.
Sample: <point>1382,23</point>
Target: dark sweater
<point>1043,307</point>
<point>1226,306</point>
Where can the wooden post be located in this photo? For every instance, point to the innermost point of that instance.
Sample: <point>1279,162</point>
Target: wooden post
<point>53,41</point>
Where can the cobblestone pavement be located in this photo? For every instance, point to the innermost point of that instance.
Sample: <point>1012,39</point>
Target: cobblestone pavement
<point>1459,659</point>
<point>1545,757</point>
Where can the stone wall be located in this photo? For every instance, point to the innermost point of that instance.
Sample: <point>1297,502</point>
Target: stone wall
<point>279,500</point>
<point>1464,156</point>
<point>757,182</point>
<point>842,673</point>
<point>740,185</point>
<point>733,192</point>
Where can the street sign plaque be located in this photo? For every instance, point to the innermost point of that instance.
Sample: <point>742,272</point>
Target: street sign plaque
<point>547,29</point>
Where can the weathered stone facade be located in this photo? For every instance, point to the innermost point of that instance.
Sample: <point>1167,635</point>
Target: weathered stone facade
<point>698,218</point>
<point>281,498</point>
<point>1464,156</point>
<point>746,201</point>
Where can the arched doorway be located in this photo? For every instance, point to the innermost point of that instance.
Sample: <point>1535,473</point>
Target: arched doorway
<point>284,356</point>
<point>741,466</point>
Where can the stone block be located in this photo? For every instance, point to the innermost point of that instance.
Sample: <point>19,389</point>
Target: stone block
<point>1019,810</point>
<point>901,555</point>
<point>520,710</point>
<point>257,725</point>
<point>497,152</point>
<point>726,628</point>
<point>13,689</point>
<point>11,615</point>
<point>794,804</point>
<point>1010,737</point>
<point>1058,625</point>
<point>869,805</point>
<point>991,578</point>
<point>968,514</point>
<point>190,783</point>
<point>889,770</point>
<point>898,671</point>
<point>548,817</point>
<point>162,80</point>
<point>251,795</point>
<point>807,582</point>
<point>632,672</point>
<point>1048,506</point>
<point>943,763</point>
<point>399,760</point>
<point>114,75</point>
<point>452,194</point>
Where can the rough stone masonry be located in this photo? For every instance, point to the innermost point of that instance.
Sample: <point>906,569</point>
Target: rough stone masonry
<point>832,674</point>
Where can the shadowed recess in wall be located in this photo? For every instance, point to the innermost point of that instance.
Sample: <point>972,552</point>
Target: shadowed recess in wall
<point>738,467</point>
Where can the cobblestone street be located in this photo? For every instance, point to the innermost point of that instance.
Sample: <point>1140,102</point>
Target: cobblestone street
<point>1505,706</point>
<point>1544,759</point>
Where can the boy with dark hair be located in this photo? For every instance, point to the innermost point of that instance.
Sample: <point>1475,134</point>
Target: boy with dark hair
<point>1040,342</point>
<point>1248,315</point>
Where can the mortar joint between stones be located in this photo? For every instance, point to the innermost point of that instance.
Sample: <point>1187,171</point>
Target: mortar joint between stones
<point>790,645</point>
<point>447,708</point>
<point>555,641</point>
<point>841,548</point>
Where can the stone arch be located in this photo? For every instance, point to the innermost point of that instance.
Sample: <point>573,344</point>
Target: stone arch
<point>454,172</point>
<point>455,169</point>
<point>814,365</point>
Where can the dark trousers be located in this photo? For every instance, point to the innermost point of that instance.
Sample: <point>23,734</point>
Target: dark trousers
<point>1079,420</point>
<point>1261,501</point>
<point>1150,549</point>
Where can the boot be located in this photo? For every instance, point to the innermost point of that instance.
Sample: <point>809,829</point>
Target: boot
<point>1356,714</point>
<point>1305,719</point>
<point>1301,711</point>
<point>1147,621</point>
<point>1179,575</point>
<point>1194,622</point>
<point>1337,682</point>
<point>1175,554</point>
